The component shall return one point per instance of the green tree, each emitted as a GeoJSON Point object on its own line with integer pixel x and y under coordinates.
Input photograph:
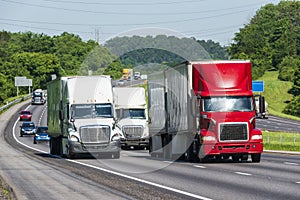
{"type": "Point", "coordinates": [272, 34]}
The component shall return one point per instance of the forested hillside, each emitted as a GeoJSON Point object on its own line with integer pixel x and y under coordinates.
{"type": "Point", "coordinates": [38, 56]}
{"type": "Point", "coordinates": [271, 41]}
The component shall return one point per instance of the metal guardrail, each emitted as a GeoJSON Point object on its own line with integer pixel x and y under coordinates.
{"type": "Point", "coordinates": [14, 102]}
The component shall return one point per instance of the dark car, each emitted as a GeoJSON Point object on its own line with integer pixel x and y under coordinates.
{"type": "Point", "coordinates": [41, 134]}
{"type": "Point", "coordinates": [27, 128]}
{"type": "Point", "coordinates": [25, 115]}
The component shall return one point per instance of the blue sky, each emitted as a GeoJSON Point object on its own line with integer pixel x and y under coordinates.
{"type": "Point", "coordinates": [217, 20]}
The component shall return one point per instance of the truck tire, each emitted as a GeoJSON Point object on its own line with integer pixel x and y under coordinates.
{"type": "Point", "coordinates": [191, 156]}
{"type": "Point", "coordinates": [256, 157]}
{"type": "Point", "coordinates": [55, 146]}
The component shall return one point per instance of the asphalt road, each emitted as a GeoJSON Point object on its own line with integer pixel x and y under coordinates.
{"type": "Point", "coordinates": [278, 124]}
{"type": "Point", "coordinates": [34, 174]}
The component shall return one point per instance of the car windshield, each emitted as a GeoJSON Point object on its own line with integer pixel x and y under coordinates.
{"type": "Point", "coordinates": [42, 130]}
{"type": "Point", "coordinates": [227, 104]}
{"type": "Point", "coordinates": [80, 111]}
{"type": "Point", "coordinates": [25, 112]}
{"type": "Point", "coordinates": [28, 125]}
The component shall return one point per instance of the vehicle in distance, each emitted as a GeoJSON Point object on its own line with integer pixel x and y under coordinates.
{"type": "Point", "coordinates": [27, 128]}
{"type": "Point", "coordinates": [120, 82]}
{"type": "Point", "coordinates": [38, 97]}
{"type": "Point", "coordinates": [25, 115]}
{"type": "Point", "coordinates": [41, 134]}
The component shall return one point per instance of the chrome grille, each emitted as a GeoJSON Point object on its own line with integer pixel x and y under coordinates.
{"type": "Point", "coordinates": [94, 134]}
{"type": "Point", "coordinates": [133, 131]}
{"type": "Point", "coordinates": [233, 132]}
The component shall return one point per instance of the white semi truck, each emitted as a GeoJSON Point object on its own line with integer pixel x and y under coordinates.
{"type": "Point", "coordinates": [81, 117]}
{"type": "Point", "coordinates": [38, 97]}
{"type": "Point", "coordinates": [131, 109]}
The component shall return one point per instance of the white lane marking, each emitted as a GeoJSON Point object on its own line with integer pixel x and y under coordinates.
{"type": "Point", "coordinates": [298, 182]}
{"type": "Point", "coordinates": [170, 162]}
{"type": "Point", "coordinates": [242, 173]}
{"type": "Point", "coordinates": [200, 166]}
{"type": "Point", "coordinates": [290, 163]}
{"type": "Point", "coordinates": [116, 173]}
{"type": "Point", "coordinates": [143, 181]}
{"type": "Point", "coordinates": [41, 117]}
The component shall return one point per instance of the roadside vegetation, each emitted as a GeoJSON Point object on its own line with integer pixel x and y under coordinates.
{"type": "Point", "coordinates": [281, 141]}
{"type": "Point", "coordinates": [276, 94]}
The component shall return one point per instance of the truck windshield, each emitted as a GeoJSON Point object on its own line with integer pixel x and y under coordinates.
{"type": "Point", "coordinates": [132, 113]}
{"type": "Point", "coordinates": [227, 104]}
{"type": "Point", "coordinates": [91, 110]}
{"type": "Point", "coordinates": [37, 94]}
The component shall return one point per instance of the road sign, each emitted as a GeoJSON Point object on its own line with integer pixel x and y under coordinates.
{"type": "Point", "coordinates": [22, 81]}
{"type": "Point", "coordinates": [257, 86]}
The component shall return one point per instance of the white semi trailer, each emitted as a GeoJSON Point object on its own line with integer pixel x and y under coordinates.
{"type": "Point", "coordinates": [81, 117]}
{"type": "Point", "coordinates": [131, 109]}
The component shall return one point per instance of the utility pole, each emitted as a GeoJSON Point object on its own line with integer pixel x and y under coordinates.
{"type": "Point", "coordinates": [97, 35]}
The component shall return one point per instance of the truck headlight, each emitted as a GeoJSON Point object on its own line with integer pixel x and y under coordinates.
{"type": "Point", "coordinates": [74, 138]}
{"type": "Point", "coordinates": [256, 137]}
{"type": "Point", "coordinates": [209, 138]}
{"type": "Point", "coordinates": [115, 137]}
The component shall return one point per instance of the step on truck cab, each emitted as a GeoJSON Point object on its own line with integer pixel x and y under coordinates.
{"type": "Point", "coordinates": [81, 117]}
{"type": "Point", "coordinates": [132, 114]}
{"type": "Point", "coordinates": [204, 109]}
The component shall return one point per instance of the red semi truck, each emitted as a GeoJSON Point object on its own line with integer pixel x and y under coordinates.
{"type": "Point", "coordinates": [204, 109]}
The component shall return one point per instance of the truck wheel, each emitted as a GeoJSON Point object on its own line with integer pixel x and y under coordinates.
{"type": "Point", "coordinates": [191, 156]}
{"type": "Point", "coordinates": [256, 157]}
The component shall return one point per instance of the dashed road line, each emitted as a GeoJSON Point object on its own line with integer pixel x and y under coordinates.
{"type": "Point", "coordinates": [290, 163]}
{"type": "Point", "coordinates": [200, 166]}
{"type": "Point", "coordinates": [243, 173]}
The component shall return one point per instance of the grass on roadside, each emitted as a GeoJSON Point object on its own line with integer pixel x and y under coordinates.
{"type": "Point", "coordinates": [276, 94]}
{"type": "Point", "coordinates": [281, 141]}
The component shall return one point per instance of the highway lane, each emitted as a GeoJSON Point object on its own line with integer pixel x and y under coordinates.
{"type": "Point", "coordinates": [33, 175]}
{"type": "Point", "coordinates": [276, 177]}
{"type": "Point", "coordinates": [274, 123]}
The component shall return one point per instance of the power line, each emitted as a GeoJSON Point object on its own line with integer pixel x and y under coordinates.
{"type": "Point", "coordinates": [125, 4]}
{"type": "Point", "coordinates": [129, 24]}
{"type": "Point", "coordinates": [126, 13]}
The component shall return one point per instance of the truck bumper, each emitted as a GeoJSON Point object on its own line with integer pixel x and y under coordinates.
{"type": "Point", "coordinates": [78, 148]}
{"type": "Point", "coordinates": [140, 142]}
{"type": "Point", "coordinates": [231, 149]}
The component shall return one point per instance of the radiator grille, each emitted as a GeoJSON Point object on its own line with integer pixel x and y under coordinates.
{"type": "Point", "coordinates": [133, 131]}
{"type": "Point", "coordinates": [94, 134]}
{"type": "Point", "coordinates": [233, 132]}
